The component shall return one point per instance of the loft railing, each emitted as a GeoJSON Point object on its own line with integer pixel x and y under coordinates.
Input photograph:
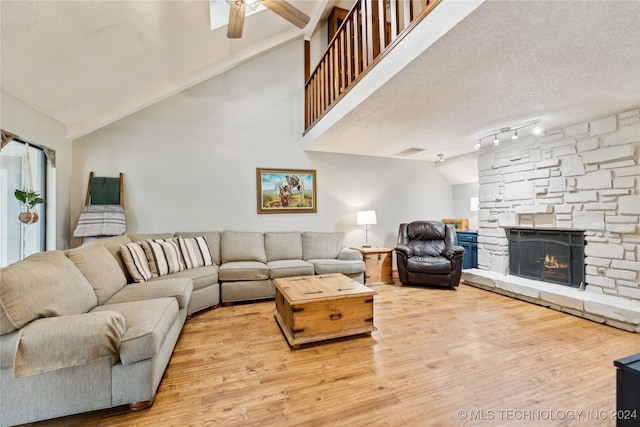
{"type": "Point", "coordinates": [371, 28]}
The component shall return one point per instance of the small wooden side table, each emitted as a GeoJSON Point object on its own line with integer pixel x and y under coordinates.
{"type": "Point", "coordinates": [377, 261]}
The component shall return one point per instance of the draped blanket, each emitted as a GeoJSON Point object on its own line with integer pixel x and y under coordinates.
{"type": "Point", "coordinates": [52, 343]}
{"type": "Point", "coordinates": [101, 220]}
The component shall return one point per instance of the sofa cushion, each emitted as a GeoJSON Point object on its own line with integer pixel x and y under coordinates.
{"type": "Point", "coordinates": [148, 323]}
{"type": "Point", "coordinates": [247, 290]}
{"type": "Point", "coordinates": [195, 251]}
{"type": "Point", "coordinates": [429, 264]}
{"type": "Point", "coordinates": [243, 270]}
{"type": "Point", "coordinates": [163, 256]}
{"type": "Point", "coordinates": [113, 246]}
{"type": "Point", "coordinates": [201, 276]}
{"type": "Point", "coordinates": [100, 268]}
{"type": "Point", "coordinates": [60, 342]}
{"type": "Point", "coordinates": [179, 288]}
{"type": "Point", "coordinates": [46, 284]}
{"type": "Point", "coordinates": [135, 258]}
{"type": "Point", "coordinates": [213, 240]}
{"type": "Point", "coordinates": [328, 266]}
{"type": "Point", "coordinates": [279, 246]}
{"type": "Point", "coordinates": [321, 245]}
{"type": "Point", "coordinates": [289, 268]}
{"type": "Point", "coordinates": [242, 246]}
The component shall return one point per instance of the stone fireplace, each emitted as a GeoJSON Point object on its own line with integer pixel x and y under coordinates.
{"type": "Point", "coordinates": [580, 179]}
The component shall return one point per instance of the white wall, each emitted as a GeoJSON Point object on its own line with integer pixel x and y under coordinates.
{"type": "Point", "coordinates": [462, 194]}
{"type": "Point", "coordinates": [190, 161]}
{"type": "Point", "coordinates": [32, 126]}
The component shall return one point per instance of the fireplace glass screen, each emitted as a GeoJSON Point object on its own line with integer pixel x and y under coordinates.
{"type": "Point", "coordinates": [550, 256]}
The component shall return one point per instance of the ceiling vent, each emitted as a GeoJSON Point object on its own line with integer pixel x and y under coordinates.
{"type": "Point", "coordinates": [410, 151]}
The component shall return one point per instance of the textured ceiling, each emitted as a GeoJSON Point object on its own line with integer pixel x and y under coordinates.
{"type": "Point", "coordinates": [506, 63]}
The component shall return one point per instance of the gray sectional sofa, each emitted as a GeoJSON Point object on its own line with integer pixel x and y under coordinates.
{"type": "Point", "coordinates": [76, 334]}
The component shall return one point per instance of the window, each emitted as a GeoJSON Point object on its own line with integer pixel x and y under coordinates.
{"type": "Point", "coordinates": [20, 240]}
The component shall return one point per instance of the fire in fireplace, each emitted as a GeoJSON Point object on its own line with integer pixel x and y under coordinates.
{"type": "Point", "coordinates": [555, 256]}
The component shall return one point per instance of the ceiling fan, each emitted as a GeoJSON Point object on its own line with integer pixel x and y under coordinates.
{"type": "Point", "coordinates": [281, 7]}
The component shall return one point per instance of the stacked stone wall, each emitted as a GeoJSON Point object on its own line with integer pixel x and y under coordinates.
{"type": "Point", "coordinates": [582, 177]}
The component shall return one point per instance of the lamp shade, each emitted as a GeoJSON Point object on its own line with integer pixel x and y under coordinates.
{"type": "Point", "coordinates": [366, 218]}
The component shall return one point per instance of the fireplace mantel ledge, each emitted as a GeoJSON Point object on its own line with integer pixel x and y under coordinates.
{"type": "Point", "coordinates": [615, 311]}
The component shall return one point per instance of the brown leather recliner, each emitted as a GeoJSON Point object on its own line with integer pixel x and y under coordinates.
{"type": "Point", "coordinates": [428, 254]}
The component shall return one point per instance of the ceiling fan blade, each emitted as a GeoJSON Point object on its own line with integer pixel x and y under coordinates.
{"type": "Point", "coordinates": [236, 22]}
{"type": "Point", "coordinates": [287, 11]}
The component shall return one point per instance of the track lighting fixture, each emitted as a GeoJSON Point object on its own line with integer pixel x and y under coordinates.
{"type": "Point", "coordinates": [496, 133]}
{"type": "Point", "coordinates": [441, 157]}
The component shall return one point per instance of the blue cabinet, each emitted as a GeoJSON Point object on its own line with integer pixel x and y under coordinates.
{"type": "Point", "coordinates": [469, 241]}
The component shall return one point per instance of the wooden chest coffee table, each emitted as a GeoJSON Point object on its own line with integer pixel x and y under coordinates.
{"type": "Point", "coordinates": [316, 308]}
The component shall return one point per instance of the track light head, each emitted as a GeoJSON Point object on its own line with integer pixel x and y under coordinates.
{"type": "Point", "coordinates": [441, 158]}
{"type": "Point", "coordinates": [537, 130]}
{"type": "Point", "coordinates": [515, 134]}
{"type": "Point", "coordinates": [496, 141]}
{"type": "Point", "coordinates": [477, 146]}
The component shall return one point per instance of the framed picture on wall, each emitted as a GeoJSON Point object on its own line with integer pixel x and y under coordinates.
{"type": "Point", "coordinates": [286, 190]}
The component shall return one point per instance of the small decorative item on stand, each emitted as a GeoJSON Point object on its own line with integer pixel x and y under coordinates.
{"type": "Point", "coordinates": [27, 196]}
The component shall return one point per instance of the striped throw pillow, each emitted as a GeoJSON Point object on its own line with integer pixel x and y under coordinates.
{"type": "Point", "coordinates": [163, 256]}
{"type": "Point", "coordinates": [195, 251]}
{"type": "Point", "coordinates": [135, 259]}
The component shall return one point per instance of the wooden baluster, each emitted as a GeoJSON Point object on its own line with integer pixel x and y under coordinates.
{"type": "Point", "coordinates": [349, 53]}
{"type": "Point", "coordinates": [382, 22]}
{"type": "Point", "coordinates": [337, 70]}
{"type": "Point", "coordinates": [318, 109]}
{"type": "Point", "coordinates": [406, 14]}
{"type": "Point", "coordinates": [393, 18]}
{"type": "Point", "coordinates": [368, 28]}
{"type": "Point", "coordinates": [357, 49]}
{"type": "Point", "coordinates": [342, 64]}
{"type": "Point", "coordinates": [321, 87]}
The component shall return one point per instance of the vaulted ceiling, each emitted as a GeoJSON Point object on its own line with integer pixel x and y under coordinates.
{"type": "Point", "coordinates": [89, 63]}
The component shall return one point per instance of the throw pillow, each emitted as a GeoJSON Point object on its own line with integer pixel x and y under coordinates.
{"type": "Point", "coordinates": [195, 251]}
{"type": "Point", "coordinates": [163, 256]}
{"type": "Point", "coordinates": [135, 259]}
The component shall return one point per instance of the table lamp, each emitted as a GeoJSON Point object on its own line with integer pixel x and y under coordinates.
{"type": "Point", "coordinates": [366, 218]}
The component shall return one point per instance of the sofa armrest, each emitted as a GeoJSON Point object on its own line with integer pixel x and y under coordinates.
{"type": "Point", "coordinates": [350, 254]}
{"type": "Point", "coordinates": [451, 252]}
{"type": "Point", "coordinates": [52, 343]}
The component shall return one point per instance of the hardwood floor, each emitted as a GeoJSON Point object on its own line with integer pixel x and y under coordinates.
{"type": "Point", "coordinates": [439, 358]}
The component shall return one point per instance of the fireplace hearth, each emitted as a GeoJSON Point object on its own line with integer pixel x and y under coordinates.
{"type": "Point", "coordinates": [555, 256]}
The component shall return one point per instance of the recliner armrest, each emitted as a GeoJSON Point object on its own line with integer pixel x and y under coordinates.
{"type": "Point", "coordinates": [452, 251]}
{"type": "Point", "coordinates": [404, 250]}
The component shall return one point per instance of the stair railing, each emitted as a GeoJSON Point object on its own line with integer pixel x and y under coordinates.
{"type": "Point", "coordinates": [369, 31]}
